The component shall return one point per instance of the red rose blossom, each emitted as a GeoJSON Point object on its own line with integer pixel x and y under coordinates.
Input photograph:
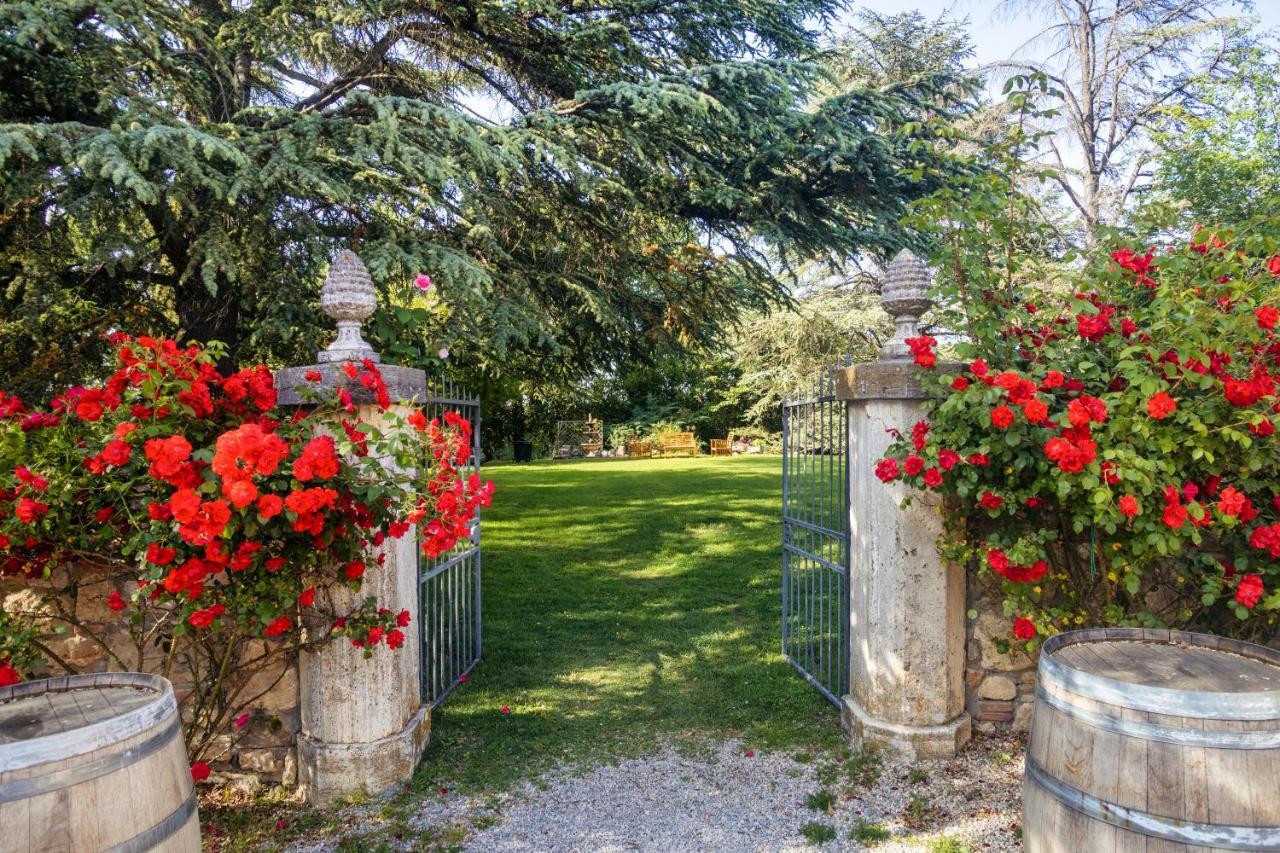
{"type": "Point", "coordinates": [1249, 591]}
{"type": "Point", "coordinates": [1023, 629]}
{"type": "Point", "coordinates": [1161, 405]}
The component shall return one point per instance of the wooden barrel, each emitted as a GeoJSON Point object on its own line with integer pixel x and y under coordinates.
{"type": "Point", "coordinates": [95, 762]}
{"type": "Point", "coordinates": [1153, 741]}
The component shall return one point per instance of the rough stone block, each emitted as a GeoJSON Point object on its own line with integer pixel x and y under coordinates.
{"type": "Point", "coordinates": [999, 687]}
{"type": "Point", "coordinates": [972, 678]}
{"type": "Point", "coordinates": [990, 627]}
{"type": "Point", "coordinates": [1022, 717]}
{"type": "Point", "coordinates": [264, 760]}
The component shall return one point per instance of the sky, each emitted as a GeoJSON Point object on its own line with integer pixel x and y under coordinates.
{"type": "Point", "coordinates": [999, 35]}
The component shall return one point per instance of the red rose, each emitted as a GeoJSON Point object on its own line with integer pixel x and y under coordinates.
{"type": "Point", "coordinates": [978, 367]}
{"type": "Point", "coordinates": [990, 500]}
{"type": "Point", "coordinates": [1035, 410]}
{"type": "Point", "coordinates": [1232, 501]}
{"type": "Point", "coordinates": [1273, 265]}
{"type": "Point", "coordinates": [1249, 591]}
{"type": "Point", "coordinates": [1023, 629]}
{"type": "Point", "coordinates": [998, 561]}
{"type": "Point", "coordinates": [1175, 515]}
{"type": "Point", "coordinates": [115, 602]}
{"type": "Point", "coordinates": [979, 459]}
{"type": "Point", "coordinates": [403, 618]}
{"type": "Point", "coordinates": [1267, 316]}
{"type": "Point", "coordinates": [887, 470]}
{"type": "Point", "coordinates": [277, 627]}
{"type": "Point", "coordinates": [1161, 405]}
{"type": "Point", "coordinates": [29, 510]}
{"type": "Point", "coordinates": [269, 506]}
{"type": "Point", "coordinates": [959, 383]}
{"type": "Point", "coordinates": [919, 434]}
{"type": "Point", "coordinates": [933, 478]}
{"type": "Point", "coordinates": [913, 465]}
{"type": "Point", "coordinates": [1129, 506]}
{"type": "Point", "coordinates": [1053, 379]}
{"type": "Point", "coordinates": [417, 420]}
{"type": "Point", "coordinates": [8, 675]}
{"type": "Point", "coordinates": [199, 771]}
{"type": "Point", "coordinates": [1002, 417]}
{"type": "Point", "coordinates": [395, 638]}
{"type": "Point", "coordinates": [353, 570]}
{"type": "Point", "coordinates": [948, 459]}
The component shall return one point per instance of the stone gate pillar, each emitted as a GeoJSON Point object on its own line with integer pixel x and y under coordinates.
{"type": "Point", "coordinates": [906, 608]}
{"type": "Point", "coordinates": [364, 724]}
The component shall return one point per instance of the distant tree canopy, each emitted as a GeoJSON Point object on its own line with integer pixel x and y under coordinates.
{"type": "Point", "coordinates": [1221, 159]}
{"type": "Point", "coordinates": [587, 182]}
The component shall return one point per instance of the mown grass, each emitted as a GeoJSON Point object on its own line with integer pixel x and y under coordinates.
{"type": "Point", "coordinates": [627, 605]}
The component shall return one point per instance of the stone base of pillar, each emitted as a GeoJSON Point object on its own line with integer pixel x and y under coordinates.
{"type": "Point", "coordinates": [910, 742]}
{"type": "Point", "coordinates": [329, 771]}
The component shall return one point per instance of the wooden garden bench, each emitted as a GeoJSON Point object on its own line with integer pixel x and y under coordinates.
{"type": "Point", "coordinates": [677, 442]}
{"type": "Point", "coordinates": [722, 446]}
{"type": "Point", "coordinates": [639, 449]}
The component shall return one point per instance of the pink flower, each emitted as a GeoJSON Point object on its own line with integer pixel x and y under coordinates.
{"type": "Point", "coordinates": [422, 282]}
{"type": "Point", "coordinates": [242, 720]}
{"type": "Point", "coordinates": [750, 753]}
{"type": "Point", "coordinates": [506, 709]}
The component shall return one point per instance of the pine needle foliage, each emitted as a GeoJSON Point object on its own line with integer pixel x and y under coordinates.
{"type": "Point", "coordinates": [586, 180]}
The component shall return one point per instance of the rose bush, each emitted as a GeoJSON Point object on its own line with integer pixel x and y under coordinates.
{"type": "Point", "coordinates": [224, 532]}
{"type": "Point", "coordinates": [1109, 456]}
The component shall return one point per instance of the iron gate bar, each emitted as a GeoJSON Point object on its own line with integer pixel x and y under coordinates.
{"type": "Point", "coordinates": [815, 535]}
{"type": "Point", "coordinates": [450, 612]}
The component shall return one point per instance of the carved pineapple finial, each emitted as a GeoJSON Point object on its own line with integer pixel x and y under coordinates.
{"type": "Point", "coordinates": [905, 295]}
{"type": "Point", "coordinates": [349, 297]}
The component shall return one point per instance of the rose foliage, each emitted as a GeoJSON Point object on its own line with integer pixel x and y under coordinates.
{"type": "Point", "coordinates": [222, 532]}
{"type": "Point", "coordinates": [1109, 455]}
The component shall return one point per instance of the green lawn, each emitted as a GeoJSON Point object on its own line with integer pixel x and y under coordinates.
{"type": "Point", "coordinates": [625, 603]}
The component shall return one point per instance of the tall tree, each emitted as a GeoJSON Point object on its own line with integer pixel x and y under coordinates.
{"type": "Point", "coordinates": [1222, 161]}
{"type": "Point", "coordinates": [583, 179]}
{"type": "Point", "coordinates": [882, 49]}
{"type": "Point", "coordinates": [1117, 65]}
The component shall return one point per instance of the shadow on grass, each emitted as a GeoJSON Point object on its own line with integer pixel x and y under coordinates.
{"type": "Point", "coordinates": [625, 604]}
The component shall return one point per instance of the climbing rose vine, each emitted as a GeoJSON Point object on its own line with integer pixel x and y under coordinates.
{"type": "Point", "coordinates": [221, 530]}
{"type": "Point", "coordinates": [1109, 457]}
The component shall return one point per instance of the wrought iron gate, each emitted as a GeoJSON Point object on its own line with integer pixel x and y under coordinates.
{"type": "Point", "coordinates": [449, 585]}
{"type": "Point", "coordinates": [815, 535]}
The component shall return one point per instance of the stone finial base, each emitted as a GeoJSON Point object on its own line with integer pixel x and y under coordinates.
{"type": "Point", "coordinates": [403, 383]}
{"type": "Point", "coordinates": [910, 742]}
{"type": "Point", "coordinates": [327, 772]}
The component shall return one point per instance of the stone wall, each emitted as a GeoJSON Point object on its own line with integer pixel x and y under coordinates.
{"type": "Point", "coordinates": [261, 751]}
{"type": "Point", "coordinates": [999, 686]}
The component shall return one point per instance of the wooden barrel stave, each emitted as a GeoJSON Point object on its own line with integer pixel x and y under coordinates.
{"type": "Point", "coordinates": [126, 793]}
{"type": "Point", "coordinates": [1150, 772]}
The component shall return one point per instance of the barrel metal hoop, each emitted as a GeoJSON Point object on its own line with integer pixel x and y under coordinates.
{"type": "Point", "coordinates": [1164, 734]}
{"type": "Point", "coordinates": [151, 838]}
{"type": "Point", "coordinates": [21, 789]}
{"type": "Point", "coordinates": [1262, 705]}
{"type": "Point", "coordinates": [79, 741]}
{"type": "Point", "coordinates": [1169, 829]}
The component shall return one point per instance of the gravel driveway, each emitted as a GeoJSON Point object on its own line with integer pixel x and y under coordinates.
{"type": "Point", "coordinates": [730, 798]}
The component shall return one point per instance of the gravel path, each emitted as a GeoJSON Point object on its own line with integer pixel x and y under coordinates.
{"type": "Point", "coordinates": [732, 799]}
